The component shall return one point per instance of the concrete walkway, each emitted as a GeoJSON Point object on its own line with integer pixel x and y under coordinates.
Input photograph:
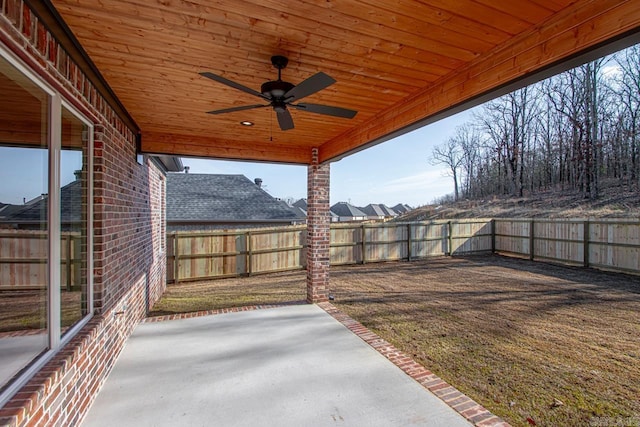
{"type": "Point", "coordinates": [288, 366]}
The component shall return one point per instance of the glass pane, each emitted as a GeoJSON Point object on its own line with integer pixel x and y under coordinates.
{"type": "Point", "coordinates": [73, 220]}
{"type": "Point", "coordinates": [24, 247]}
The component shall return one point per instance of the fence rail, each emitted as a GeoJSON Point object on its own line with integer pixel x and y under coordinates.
{"type": "Point", "coordinates": [217, 254]}
{"type": "Point", "coordinates": [605, 244]}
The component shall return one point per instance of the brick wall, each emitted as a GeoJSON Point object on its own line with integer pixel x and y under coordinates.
{"type": "Point", "coordinates": [129, 258]}
{"type": "Point", "coordinates": [318, 232]}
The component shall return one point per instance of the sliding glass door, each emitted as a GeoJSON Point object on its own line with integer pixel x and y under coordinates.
{"type": "Point", "coordinates": [45, 222]}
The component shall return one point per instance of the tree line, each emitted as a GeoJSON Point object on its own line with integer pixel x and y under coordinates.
{"type": "Point", "coordinates": [569, 131]}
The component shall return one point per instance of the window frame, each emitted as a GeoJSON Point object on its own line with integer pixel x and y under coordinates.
{"type": "Point", "coordinates": [56, 341]}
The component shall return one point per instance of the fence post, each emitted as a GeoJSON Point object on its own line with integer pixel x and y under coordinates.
{"type": "Point", "coordinates": [249, 254]}
{"type": "Point", "coordinates": [176, 260]}
{"type": "Point", "coordinates": [409, 242]}
{"type": "Point", "coordinates": [493, 236]}
{"type": "Point", "coordinates": [364, 244]}
{"type": "Point", "coordinates": [585, 246]}
{"type": "Point", "coordinates": [449, 238]}
{"type": "Point", "coordinates": [531, 241]}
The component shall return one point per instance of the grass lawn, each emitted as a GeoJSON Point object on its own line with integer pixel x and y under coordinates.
{"type": "Point", "coordinates": [556, 345]}
{"type": "Point", "coordinates": [26, 310]}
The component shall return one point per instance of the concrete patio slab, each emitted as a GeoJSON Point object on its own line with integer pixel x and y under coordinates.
{"type": "Point", "coordinates": [287, 366]}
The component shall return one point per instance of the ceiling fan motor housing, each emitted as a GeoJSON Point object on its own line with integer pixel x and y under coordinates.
{"type": "Point", "coordinates": [276, 89]}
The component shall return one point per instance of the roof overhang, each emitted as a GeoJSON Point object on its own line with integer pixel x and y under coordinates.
{"type": "Point", "coordinates": [170, 163]}
{"type": "Point", "coordinates": [400, 64]}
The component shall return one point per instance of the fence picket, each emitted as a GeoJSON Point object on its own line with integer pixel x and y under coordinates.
{"type": "Point", "coordinates": [605, 244]}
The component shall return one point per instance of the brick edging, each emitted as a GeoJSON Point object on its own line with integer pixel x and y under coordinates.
{"type": "Point", "coordinates": [464, 405]}
{"type": "Point", "coordinates": [178, 316]}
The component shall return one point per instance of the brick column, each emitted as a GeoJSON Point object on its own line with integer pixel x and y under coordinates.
{"type": "Point", "coordinates": [318, 221]}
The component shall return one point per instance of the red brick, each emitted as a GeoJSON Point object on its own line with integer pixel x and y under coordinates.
{"type": "Point", "coordinates": [481, 417]}
{"type": "Point", "coordinates": [318, 221]}
{"type": "Point", "coordinates": [473, 411]}
{"type": "Point", "coordinates": [493, 421]}
{"type": "Point", "coordinates": [464, 405]}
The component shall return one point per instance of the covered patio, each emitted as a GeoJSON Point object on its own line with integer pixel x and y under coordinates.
{"type": "Point", "coordinates": [376, 70]}
{"type": "Point", "coordinates": [129, 83]}
{"type": "Point", "coordinates": [256, 367]}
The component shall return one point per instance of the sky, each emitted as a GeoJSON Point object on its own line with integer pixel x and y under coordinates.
{"type": "Point", "coordinates": [396, 171]}
{"type": "Point", "coordinates": [23, 172]}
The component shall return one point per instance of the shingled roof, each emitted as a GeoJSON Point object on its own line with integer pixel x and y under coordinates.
{"type": "Point", "coordinates": [401, 208]}
{"type": "Point", "coordinates": [301, 203]}
{"type": "Point", "coordinates": [7, 210]}
{"type": "Point", "coordinates": [345, 209]}
{"type": "Point", "coordinates": [230, 198]}
{"type": "Point", "coordinates": [34, 212]}
{"type": "Point", "coordinates": [378, 210]}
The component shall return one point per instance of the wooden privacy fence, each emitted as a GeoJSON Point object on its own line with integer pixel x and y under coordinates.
{"type": "Point", "coordinates": [604, 244]}
{"type": "Point", "coordinates": [23, 259]}
{"type": "Point", "coordinates": [205, 255]}
{"type": "Point", "coordinates": [200, 255]}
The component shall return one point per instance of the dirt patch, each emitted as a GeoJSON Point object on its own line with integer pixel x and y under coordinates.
{"type": "Point", "coordinates": [556, 345]}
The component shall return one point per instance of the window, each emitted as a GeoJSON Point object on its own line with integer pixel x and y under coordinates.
{"type": "Point", "coordinates": [74, 203]}
{"type": "Point", "coordinates": [45, 227]}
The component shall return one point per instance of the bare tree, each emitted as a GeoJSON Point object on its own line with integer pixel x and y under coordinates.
{"type": "Point", "coordinates": [508, 122]}
{"type": "Point", "coordinates": [468, 140]}
{"type": "Point", "coordinates": [570, 131]}
{"type": "Point", "coordinates": [450, 155]}
{"type": "Point", "coordinates": [629, 90]}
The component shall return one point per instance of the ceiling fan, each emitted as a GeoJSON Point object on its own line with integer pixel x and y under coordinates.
{"type": "Point", "coordinates": [281, 95]}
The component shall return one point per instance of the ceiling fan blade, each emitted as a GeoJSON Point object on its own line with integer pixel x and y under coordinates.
{"type": "Point", "coordinates": [241, 108]}
{"type": "Point", "coordinates": [232, 84]}
{"type": "Point", "coordinates": [313, 84]}
{"type": "Point", "coordinates": [326, 110]}
{"type": "Point", "coordinates": [284, 119]}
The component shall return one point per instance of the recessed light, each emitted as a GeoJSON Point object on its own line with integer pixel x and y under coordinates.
{"type": "Point", "coordinates": [246, 123]}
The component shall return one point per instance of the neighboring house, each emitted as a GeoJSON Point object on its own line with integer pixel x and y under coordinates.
{"type": "Point", "coordinates": [347, 212]}
{"type": "Point", "coordinates": [401, 208]}
{"type": "Point", "coordinates": [7, 210]}
{"type": "Point", "coordinates": [378, 211]}
{"type": "Point", "coordinates": [301, 204]}
{"type": "Point", "coordinates": [389, 212]}
{"type": "Point", "coordinates": [301, 212]}
{"type": "Point", "coordinates": [207, 202]}
{"type": "Point", "coordinates": [33, 214]}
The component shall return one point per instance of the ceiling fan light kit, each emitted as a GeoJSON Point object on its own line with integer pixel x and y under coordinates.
{"type": "Point", "coordinates": [281, 95]}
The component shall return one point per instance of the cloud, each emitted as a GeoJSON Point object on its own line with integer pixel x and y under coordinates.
{"type": "Point", "coordinates": [430, 180]}
{"type": "Point", "coordinates": [415, 189]}
{"type": "Point", "coordinates": [611, 70]}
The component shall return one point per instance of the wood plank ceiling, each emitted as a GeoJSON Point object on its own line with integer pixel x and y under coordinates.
{"type": "Point", "coordinates": [396, 62]}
